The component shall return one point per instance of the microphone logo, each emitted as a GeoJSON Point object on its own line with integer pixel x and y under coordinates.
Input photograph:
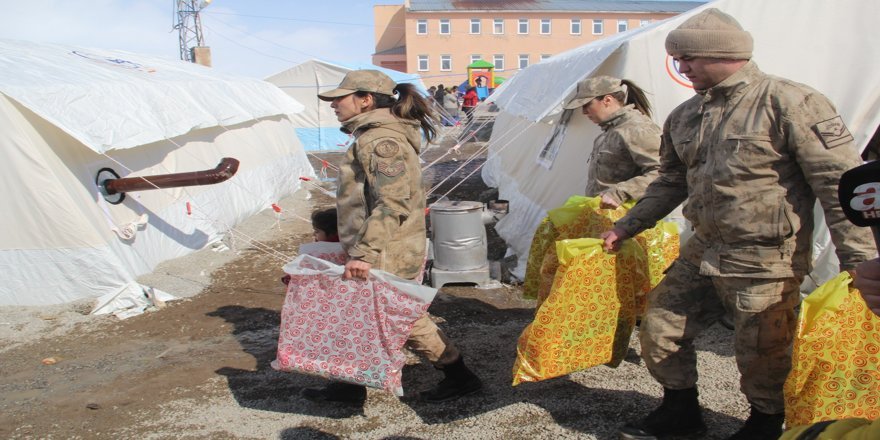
{"type": "Point", "coordinates": [866, 199]}
{"type": "Point", "coordinates": [859, 193]}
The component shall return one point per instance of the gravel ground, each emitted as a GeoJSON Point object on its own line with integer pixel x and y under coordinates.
{"type": "Point", "coordinates": [199, 368]}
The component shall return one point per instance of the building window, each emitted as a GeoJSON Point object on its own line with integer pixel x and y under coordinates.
{"type": "Point", "coordinates": [522, 27]}
{"type": "Point", "coordinates": [444, 26]}
{"type": "Point", "coordinates": [445, 63]}
{"type": "Point", "coordinates": [498, 26]}
{"type": "Point", "coordinates": [423, 63]}
{"type": "Point", "coordinates": [475, 58]}
{"type": "Point", "coordinates": [475, 25]}
{"type": "Point", "coordinates": [498, 61]}
{"type": "Point", "coordinates": [598, 26]}
{"type": "Point", "coordinates": [545, 26]}
{"type": "Point", "coordinates": [622, 26]}
{"type": "Point", "coordinates": [644, 22]}
{"type": "Point", "coordinates": [544, 56]}
{"type": "Point", "coordinates": [575, 26]}
{"type": "Point", "coordinates": [422, 27]}
{"type": "Point", "coordinates": [523, 61]}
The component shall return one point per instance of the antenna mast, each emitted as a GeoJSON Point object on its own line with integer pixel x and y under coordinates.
{"type": "Point", "coordinates": [189, 27]}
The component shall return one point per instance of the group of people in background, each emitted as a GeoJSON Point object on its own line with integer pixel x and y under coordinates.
{"type": "Point", "coordinates": [453, 105]}
{"type": "Point", "coordinates": [748, 154]}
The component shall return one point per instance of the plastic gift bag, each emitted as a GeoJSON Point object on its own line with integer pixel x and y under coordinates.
{"type": "Point", "coordinates": [578, 217]}
{"type": "Point", "coordinates": [588, 317]}
{"type": "Point", "coordinates": [581, 217]}
{"type": "Point", "coordinates": [347, 330]}
{"type": "Point", "coordinates": [835, 359]}
{"type": "Point", "coordinates": [331, 251]}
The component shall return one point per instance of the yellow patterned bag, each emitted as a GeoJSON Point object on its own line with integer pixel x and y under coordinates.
{"type": "Point", "coordinates": [578, 217]}
{"type": "Point", "coordinates": [588, 317]}
{"type": "Point", "coordinates": [835, 359]}
{"type": "Point", "coordinates": [581, 217]}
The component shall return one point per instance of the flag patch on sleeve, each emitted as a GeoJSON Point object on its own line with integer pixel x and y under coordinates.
{"type": "Point", "coordinates": [833, 132]}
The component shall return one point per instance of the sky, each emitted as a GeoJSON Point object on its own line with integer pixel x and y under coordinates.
{"type": "Point", "coordinates": [254, 38]}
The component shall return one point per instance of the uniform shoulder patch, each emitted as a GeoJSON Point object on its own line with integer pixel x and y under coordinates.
{"type": "Point", "coordinates": [833, 132]}
{"type": "Point", "coordinates": [387, 148]}
{"type": "Point", "coordinates": [390, 169]}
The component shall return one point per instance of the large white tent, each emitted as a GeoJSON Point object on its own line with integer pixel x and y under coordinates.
{"type": "Point", "coordinates": [67, 112]}
{"type": "Point", "coordinates": [827, 45]}
{"type": "Point", "coordinates": [316, 125]}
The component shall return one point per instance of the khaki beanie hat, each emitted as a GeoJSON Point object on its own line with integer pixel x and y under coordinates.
{"type": "Point", "coordinates": [710, 34]}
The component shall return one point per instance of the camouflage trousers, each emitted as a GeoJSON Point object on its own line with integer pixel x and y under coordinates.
{"type": "Point", "coordinates": [427, 340]}
{"type": "Point", "coordinates": [685, 303]}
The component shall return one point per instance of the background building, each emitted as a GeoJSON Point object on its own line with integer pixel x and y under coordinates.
{"type": "Point", "coordinates": [439, 38]}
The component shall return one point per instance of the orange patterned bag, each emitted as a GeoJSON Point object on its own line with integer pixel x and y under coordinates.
{"type": "Point", "coordinates": [588, 317]}
{"type": "Point", "coordinates": [835, 359]}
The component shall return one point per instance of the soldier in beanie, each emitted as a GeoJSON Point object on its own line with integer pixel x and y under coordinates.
{"type": "Point", "coordinates": [380, 206]}
{"type": "Point", "coordinates": [751, 153]}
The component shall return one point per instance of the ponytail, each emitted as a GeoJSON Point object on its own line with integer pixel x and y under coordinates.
{"type": "Point", "coordinates": [635, 96]}
{"type": "Point", "coordinates": [410, 104]}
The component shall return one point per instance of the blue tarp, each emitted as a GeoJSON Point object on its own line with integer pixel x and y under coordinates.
{"type": "Point", "coordinates": [322, 138]}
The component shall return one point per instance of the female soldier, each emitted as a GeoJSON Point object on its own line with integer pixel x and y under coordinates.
{"type": "Point", "coordinates": [381, 211]}
{"type": "Point", "coordinates": [626, 156]}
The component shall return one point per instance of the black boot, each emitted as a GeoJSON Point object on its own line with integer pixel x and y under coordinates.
{"type": "Point", "coordinates": [678, 415]}
{"type": "Point", "coordinates": [760, 426]}
{"type": "Point", "coordinates": [458, 381]}
{"type": "Point", "coordinates": [340, 392]}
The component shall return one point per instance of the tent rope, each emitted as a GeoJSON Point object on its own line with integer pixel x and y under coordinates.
{"type": "Point", "coordinates": [480, 151]}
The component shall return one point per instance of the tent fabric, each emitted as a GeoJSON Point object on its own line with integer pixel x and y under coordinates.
{"type": "Point", "coordinates": [60, 245]}
{"type": "Point", "coordinates": [795, 39]}
{"type": "Point", "coordinates": [316, 126]}
{"type": "Point", "coordinates": [91, 98]}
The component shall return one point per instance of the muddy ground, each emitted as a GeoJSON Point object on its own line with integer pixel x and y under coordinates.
{"type": "Point", "coordinates": [199, 367]}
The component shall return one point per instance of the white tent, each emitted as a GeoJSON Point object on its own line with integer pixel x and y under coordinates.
{"type": "Point", "coordinates": [824, 44]}
{"type": "Point", "coordinates": [317, 126]}
{"type": "Point", "coordinates": [66, 113]}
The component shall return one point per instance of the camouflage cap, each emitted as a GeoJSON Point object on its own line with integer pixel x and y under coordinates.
{"type": "Point", "coordinates": [591, 88]}
{"type": "Point", "coordinates": [361, 81]}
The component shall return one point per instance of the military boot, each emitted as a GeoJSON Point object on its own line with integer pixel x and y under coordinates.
{"type": "Point", "coordinates": [458, 381]}
{"type": "Point", "coordinates": [678, 415]}
{"type": "Point", "coordinates": [760, 426]}
{"type": "Point", "coordinates": [339, 392]}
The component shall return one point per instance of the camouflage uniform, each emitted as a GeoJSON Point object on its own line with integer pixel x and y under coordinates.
{"type": "Point", "coordinates": [381, 210]}
{"type": "Point", "coordinates": [751, 155]}
{"type": "Point", "coordinates": [625, 157]}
